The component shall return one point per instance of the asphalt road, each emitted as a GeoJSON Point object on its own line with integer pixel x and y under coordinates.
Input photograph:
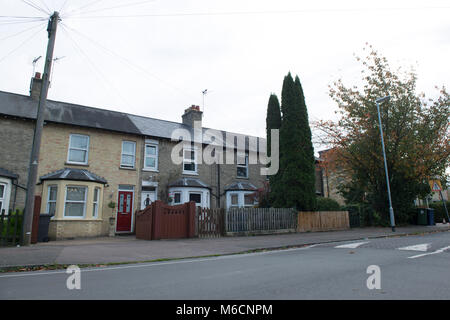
{"type": "Point", "coordinates": [415, 267]}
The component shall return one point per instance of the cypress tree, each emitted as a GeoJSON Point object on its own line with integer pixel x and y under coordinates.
{"type": "Point", "coordinates": [273, 121]}
{"type": "Point", "coordinates": [307, 171]}
{"type": "Point", "coordinates": [295, 184]}
{"type": "Point", "coordinates": [273, 118]}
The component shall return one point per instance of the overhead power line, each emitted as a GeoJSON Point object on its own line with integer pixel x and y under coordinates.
{"type": "Point", "coordinates": [129, 63]}
{"type": "Point", "coordinates": [22, 31]}
{"type": "Point", "coordinates": [186, 14]}
{"type": "Point", "coordinates": [21, 45]}
{"type": "Point", "coordinates": [118, 6]}
{"type": "Point", "coordinates": [33, 5]}
{"type": "Point", "coordinates": [82, 7]}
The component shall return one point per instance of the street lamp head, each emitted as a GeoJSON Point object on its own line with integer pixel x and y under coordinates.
{"type": "Point", "coordinates": [379, 100]}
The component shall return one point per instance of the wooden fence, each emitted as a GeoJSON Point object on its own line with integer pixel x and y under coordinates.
{"type": "Point", "coordinates": [322, 221]}
{"type": "Point", "coordinates": [10, 227]}
{"type": "Point", "coordinates": [260, 220]}
{"type": "Point", "coordinates": [210, 222]}
{"type": "Point", "coordinates": [161, 221]}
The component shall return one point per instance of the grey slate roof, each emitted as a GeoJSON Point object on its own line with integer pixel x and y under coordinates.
{"type": "Point", "coordinates": [8, 174]}
{"type": "Point", "coordinates": [189, 182]}
{"type": "Point", "coordinates": [73, 174]}
{"type": "Point", "coordinates": [23, 106]}
{"type": "Point", "coordinates": [242, 186]}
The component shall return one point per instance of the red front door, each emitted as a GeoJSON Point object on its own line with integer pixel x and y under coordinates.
{"type": "Point", "coordinates": [124, 211]}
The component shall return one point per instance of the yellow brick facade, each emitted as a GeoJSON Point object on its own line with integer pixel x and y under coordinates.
{"type": "Point", "coordinates": [105, 148]}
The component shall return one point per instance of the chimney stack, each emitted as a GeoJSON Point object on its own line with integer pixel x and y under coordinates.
{"type": "Point", "coordinates": [192, 114]}
{"type": "Point", "coordinates": [35, 86]}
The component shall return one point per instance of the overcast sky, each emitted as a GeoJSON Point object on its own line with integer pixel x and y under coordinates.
{"type": "Point", "coordinates": [154, 58]}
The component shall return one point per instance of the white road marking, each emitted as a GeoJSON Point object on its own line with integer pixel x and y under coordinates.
{"type": "Point", "coordinates": [418, 247]}
{"type": "Point", "coordinates": [155, 264]}
{"type": "Point", "coordinates": [430, 253]}
{"type": "Point", "coordinates": [353, 245]}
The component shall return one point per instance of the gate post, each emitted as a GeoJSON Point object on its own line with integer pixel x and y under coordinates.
{"type": "Point", "coordinates": [156, 225]}
{"type": "Point", "coordinates": [190, 208]}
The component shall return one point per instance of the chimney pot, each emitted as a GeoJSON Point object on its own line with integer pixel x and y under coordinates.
{"type": "Point", "coordinates": [192, 114]}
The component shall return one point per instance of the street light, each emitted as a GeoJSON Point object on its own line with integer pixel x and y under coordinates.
{"type": "Point", "coordinates": [391, 210]}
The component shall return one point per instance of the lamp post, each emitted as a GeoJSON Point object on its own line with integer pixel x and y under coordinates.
{"type": "Point", "coordinates": [391, 210]}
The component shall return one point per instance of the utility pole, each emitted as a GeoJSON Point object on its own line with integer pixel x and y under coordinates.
{"type": "Point", "coordinates": [34, 159]}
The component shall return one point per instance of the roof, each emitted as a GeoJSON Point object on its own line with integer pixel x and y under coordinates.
{"type": "Point", "coordinates": [189, 182]}
{"type": "Point", "coordinates": [23, 106]}
{"type": "Point", "coordinates": [242, 186]}
{"type": "Point", "coordinates": [8, 174]}
{"type": "Point", "coordinates": [75, 175]}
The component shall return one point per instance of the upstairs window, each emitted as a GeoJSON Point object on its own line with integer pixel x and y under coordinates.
{"type": "Point", "coordinates": [242, 166]}
{"type": "Point", "coordinates": [128, 154]}
{"type": "Point", "coordinates": [151, 156]}
{"type": "Point", "coordinates": [78, 149]}
{"type": "Point", "coordinates": [189, 161]}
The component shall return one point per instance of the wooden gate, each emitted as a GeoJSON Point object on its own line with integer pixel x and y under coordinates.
{"type": "Point", "coordinates": [161, 221]}
{"type": "Point", "coordinates": [210, 222]}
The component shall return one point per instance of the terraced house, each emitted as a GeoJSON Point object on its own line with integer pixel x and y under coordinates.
{"type": "Point", "coordinates": [98, 167]}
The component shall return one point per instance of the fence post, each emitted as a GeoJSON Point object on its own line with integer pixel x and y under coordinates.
{"type": "Point", "coordinates": [190, 207]}
{"type": "Point", "coordinates": [156, 223]}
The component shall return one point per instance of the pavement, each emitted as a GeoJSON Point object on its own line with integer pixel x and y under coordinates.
{"type": "Point", "coordinates": [126, 249]}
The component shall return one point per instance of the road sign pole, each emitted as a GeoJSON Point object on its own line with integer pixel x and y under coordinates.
{"type": "Point", "coordinates": [445, 206]}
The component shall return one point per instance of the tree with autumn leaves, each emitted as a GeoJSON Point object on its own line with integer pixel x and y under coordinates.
{"type": "Point", "coordinates": [416, 135]}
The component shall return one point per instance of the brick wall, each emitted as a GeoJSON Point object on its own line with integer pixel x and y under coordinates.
{"type": "Point", "coordinates": [105, 149]}
{"type": "Point", "coordinates": [16, 137]}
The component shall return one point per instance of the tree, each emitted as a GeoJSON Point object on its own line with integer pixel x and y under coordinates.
{"type": "Point", "coordinates": [273, 121]}
{"type": "Point", "coordinates": [273, 118]}
{"type": "Point", "coordinates": [295, 182]}
{"type": "Point", "coordinates": [416, 132]}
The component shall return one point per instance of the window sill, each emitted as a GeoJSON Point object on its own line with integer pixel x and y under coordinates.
{"type": "Point", "coordinates": [77, 164]}
{"type": "Point", "coordinates": [150, 170]}
{"type": "Point", "coordinates": [190, 173]}
{"type": "Point", "coordinates": [127, 168]}
{"type": "Point", "coordinates": [245, 178]}
{"type": "Point", "coordinates": [77, 219]}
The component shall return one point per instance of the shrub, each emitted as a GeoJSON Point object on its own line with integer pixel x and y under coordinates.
{"type": "Point", "coordinates": [11, 221]}
{"type": "Point", "coordinates": [327, 204]}
{"type": "Point", "coordinates": [439, 211]}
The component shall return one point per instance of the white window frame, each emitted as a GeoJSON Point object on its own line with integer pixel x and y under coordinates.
{"type": "Point", "coordinates": [187, 161]}
{"type": "Point", "coordinates": [72, 201]}
{"type": "Point", "coordinates": [95, 203]}
{"type": "Point", "coordinates": [201, 197]}
{"type": "Point", "coordinates": [48, 197]}
{"type": "Point", "coordinates": [231, 201]}
{"type": "Point", "coordinates": [181, 197]}
{"type": "Point", "coordinates": [128, 154]}
{"type": "Point", "coordinates": [242, 166]}
{"type": "Point", "coordinates": [155, 156]}
{"type": "Point", "coordinates": [87, 148]}
{"type": "Point", "coordinates": [241, 199]}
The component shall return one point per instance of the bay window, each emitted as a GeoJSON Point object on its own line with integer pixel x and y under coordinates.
{"type": "Point", "coordinates": [75, 202]}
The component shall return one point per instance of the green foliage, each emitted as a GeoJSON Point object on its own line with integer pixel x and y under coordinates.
{"type": "Point", "coordinates": [11, 220]}
{"type": "Point", "coordinates": [327, 204]}
{"type": "Point", "coordinates": [415, 132]}
{"type": "Point", "coordinates": [273, 118]}
{"type": "Point", "coordinates": [294, 185]}
{"type": "Point", "coordinates": [439, 211]}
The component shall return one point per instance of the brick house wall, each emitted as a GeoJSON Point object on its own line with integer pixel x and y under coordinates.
{"type": "Point", "coordinates": [16, 137]}
{"type": "Point", "coordinates": [104, 158]}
